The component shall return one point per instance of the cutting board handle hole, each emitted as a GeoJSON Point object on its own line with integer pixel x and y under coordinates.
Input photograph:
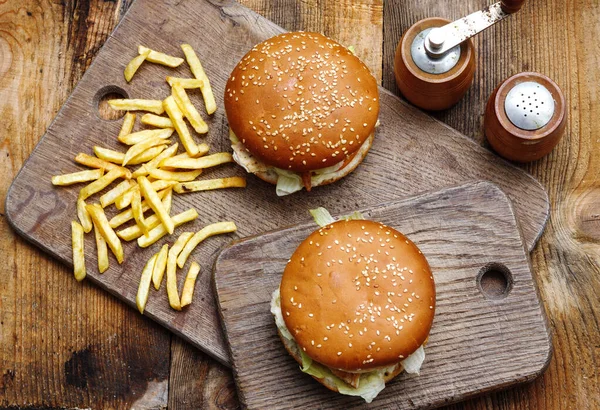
{"type": "Point", "coordinates": [100, 102]}
{"type": "Point", "coordinates": [495, 281]}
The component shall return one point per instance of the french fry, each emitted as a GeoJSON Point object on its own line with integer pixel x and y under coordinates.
{"type": "Point", "coordinates": [188, 109]}
{"type": "Point", "coordinates": [154, 106]}
{"type": "Point", "coordinates": [140, 147]}
{"type": "Point", "coordinates": [157, 185]}
{"type": "Point", "coordinates": [106, 231]}
{"type": "Point", "coordinates": [134, 64]}
{"type": "Point", "coordinates": [77, 177]}
{"type": "Point", "coordinates": [172, 292]}
{"type": "Point", "coordinates": [138, 214]}
{"type": "Point", "coordinates": [142, 294]}
{"type": "Point", "coordinates": [168, 199]}
{"type": "Point", "coordinates": [111, 196]}
{"type": "Point", "coordinates": [161, 184]}
{"type": "Point", "coordinates": [176, 117]}
{"type": "Point", "coordinates": [160, 58]}
{"type": "Point", "coordinates": [84, 216]}
{"type": "Point", "coordinates": [203, 149]}
{"type": "Point", "coordinates": [109, 155]}
{"type": "Point", "coordinates": [124, 200]}
{"type": "Point", "coordinates": [147, 155]}
{"type": "Point", "coordinates": [137, 137]}
{"type": "Point", "coordinates": [153, 163]}
{"type": "Point", "coordinates": [102, 249]}
{"type": "Point", "coordinates": [101, 183]}
{"type": "Point", "coordinates": [155, 203]}
{"type": "Point", "coordinates": [160, 266]}
{"type": "Point", "coordinates": [209, 184]}
{"type": "Point", "coordinates": [157, 121]}
{"type": "Point", "coordinates": [198, 71]}
{"type": "Point", "coordinates": [175, 176]}
{"type": "Point", "coordinates": [127, 215]}
{"type": "Point", "coordinates": [128, 123]}
{"type": "Point", "coordinates": [158, 232]}
{"type": "Point", "coordinates": [134, 231]}
{"type": "Point", "coordinates": [188, 286]}
{"type": "Point", "coordinates": [93, 162]}
{"type": "Point", "coordinates": [198, 163]}
{"type": "Point", "coordinates": [206, 232]}
{"type": "Point", "coordinates": [185, 82]}
{"type": "Point", "coordinates": [118, 157]}
{"type": "Point", "coordinates": [78, 253]}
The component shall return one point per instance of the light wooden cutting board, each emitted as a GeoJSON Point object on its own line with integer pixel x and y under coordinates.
{"type": "Point", "coordinates": [412, 153]}
{"type": "Point", "coordinates": [483, 337]}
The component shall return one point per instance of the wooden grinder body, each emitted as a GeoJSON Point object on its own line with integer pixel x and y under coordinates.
{"type": "Point", "coordinates": [514, 143]}
{"type": "Point", "coordinates": [432, 91]}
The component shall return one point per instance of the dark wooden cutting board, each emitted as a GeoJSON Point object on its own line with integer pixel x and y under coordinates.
{"type": "Point", "coordinates": [482, 338]}
{"type": "Point", "coordinates": [412, 153]}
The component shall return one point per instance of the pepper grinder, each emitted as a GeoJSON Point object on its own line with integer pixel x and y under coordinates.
{"type": "Point", "coordinates": [435, 59]}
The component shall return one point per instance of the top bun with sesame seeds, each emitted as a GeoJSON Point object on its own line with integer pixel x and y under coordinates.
{"type": "Point", "coordinates": [357, 296]}
{"type": "Point", "coordinates": [301, 102]}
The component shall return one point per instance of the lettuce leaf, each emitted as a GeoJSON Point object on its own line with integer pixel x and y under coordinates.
{"type": "Point", "coordinates": [412, 364]}
{"type": "Point", "coordinates": [322, 216]}
{"type": "Point", "coordinates": [353, 216]}
{"type": "Point", "coordinates": [287, 182]}
{"type": "Point", "coordinates": [276, 312]}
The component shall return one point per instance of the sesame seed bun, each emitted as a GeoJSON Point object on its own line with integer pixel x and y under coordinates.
{"type": "Point", "coordinates": [301, 102]}
{"type": "Point", "coordinates": [358, 295]}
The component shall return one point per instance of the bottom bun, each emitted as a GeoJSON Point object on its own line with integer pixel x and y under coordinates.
{"type": "Point", "coordinates": [326, 381]}
{"type": "Point", "coordinates": [350, 165]}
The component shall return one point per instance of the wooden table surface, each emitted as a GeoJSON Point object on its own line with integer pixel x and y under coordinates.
{"type": "Point", "coordinates": [65, 344]}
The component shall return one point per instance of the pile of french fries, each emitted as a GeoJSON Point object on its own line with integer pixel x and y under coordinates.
{"type": "Point", "coordinates": [149, 188]}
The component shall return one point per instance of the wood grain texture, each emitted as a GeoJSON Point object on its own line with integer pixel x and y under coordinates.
{"type": "Point", "coordinates": [461, 231]}
{"type": "Point", "coordinates": [62, 344]}
{"type": "Point", "coordinates": [197, 382]}
{"type": "Point", "coordinates": [547, 37]}
{"type": "Point", "coordinates": [424, 154]}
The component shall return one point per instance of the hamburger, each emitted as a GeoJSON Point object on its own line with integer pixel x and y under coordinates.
{"type": "Point", "coordinates": [355, 306]}
{"type": "Point", "coordinates": [302, 111]}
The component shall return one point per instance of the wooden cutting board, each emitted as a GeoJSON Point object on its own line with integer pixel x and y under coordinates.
{"type": "Point", "coordinates": [412, 153]}
{"type": "Point", "coordinates": [483, 337]}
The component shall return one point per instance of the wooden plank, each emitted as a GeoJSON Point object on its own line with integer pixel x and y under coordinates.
{"type": "Point", "coordinates": [62, 344]}
{"type": "Point", "coordinates": [547, 37]}
{"type": "Point", "coordinates": [423, 153]}
{"type": "Point", "coordinates": [477, 343]}
{"type": "Point", "coordinates": [197, 382]}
